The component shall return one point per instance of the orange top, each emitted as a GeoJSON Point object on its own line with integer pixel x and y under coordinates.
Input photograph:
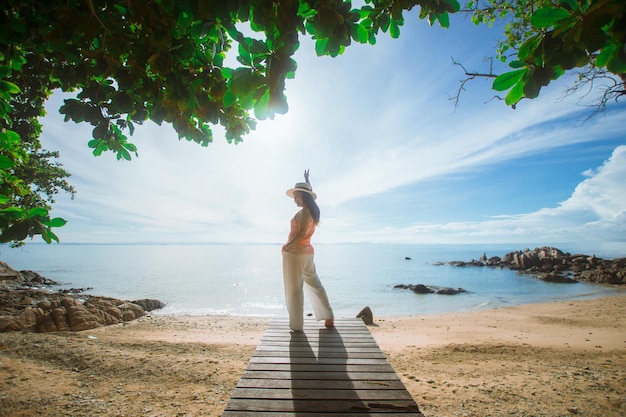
{"type": "Point", "coordinates": [303, 247]}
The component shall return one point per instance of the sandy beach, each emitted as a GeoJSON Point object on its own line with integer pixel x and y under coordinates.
{"type": "Point", "coordinates": [553, 359]}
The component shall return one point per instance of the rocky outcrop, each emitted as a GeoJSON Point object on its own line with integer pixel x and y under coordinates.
{"type": "Point", "coordinates": [553, 265]}
{"type": "Point", "coordinates": [429, 289]}
{"type": "Point", "coordinates": [11, 278]}
{"type": "Point", "coordinates": [26, 305]}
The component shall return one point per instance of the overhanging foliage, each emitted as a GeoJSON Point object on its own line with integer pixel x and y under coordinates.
{"type": "Point", "coordinates": [164, 61]}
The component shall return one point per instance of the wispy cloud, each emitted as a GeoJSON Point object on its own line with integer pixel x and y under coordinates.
{"type": "Point", "coordinates": [371, 126]}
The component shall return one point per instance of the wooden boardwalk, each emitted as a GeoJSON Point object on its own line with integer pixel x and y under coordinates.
{"type": "Point", "coordinates": [320, 372]}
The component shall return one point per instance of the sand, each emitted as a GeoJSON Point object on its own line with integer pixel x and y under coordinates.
{"type": "Point", "coordinates": [554, 359]}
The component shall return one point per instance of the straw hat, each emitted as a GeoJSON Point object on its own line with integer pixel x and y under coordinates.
{"type": "Point", "coordinates": [302, 187]}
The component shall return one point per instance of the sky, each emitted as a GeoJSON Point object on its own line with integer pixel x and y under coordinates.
{"type": "Point", "coordinates": [390, 157]}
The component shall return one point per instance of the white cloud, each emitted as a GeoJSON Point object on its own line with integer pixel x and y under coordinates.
{"type": "Point", "coordinates": [595, 213]}
{"type": "Point", "coordinates": [604, 192]}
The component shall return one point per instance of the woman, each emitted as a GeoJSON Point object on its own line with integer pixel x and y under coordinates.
{"type": "Point", "coordinates": [298, 265]}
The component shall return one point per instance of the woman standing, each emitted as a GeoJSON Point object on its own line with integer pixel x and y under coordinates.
{"type": "Point", "coordinates": [298, 265]}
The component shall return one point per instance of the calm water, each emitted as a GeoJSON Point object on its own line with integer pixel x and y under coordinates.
{"type": "Point", "coordinates": [247, 279]}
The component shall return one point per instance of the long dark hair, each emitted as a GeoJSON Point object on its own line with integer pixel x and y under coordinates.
{"type": "Point", "coordinates": [308, 201]}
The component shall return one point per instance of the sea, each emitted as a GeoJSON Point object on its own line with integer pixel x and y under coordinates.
{"type": "Point", "coordinates": [246, 279]}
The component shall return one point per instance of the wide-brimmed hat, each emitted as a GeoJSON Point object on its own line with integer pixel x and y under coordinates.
{"type": "Point", "coordinates": [302, 187]}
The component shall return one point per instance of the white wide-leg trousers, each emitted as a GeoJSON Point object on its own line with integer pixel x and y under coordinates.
{"type": "Point", "coordinates": [297, 271]}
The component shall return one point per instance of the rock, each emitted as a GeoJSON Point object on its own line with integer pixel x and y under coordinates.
{"type": "Point", "coordinates": [149, 304]}
{"type": "Point", "coordinates": [26, 306]}
{"type": "Point", "coordinates": [552, 264]}
{"type": "Point", "coordinates": [8, 274]}
{"type": "Point", "coordinates": [33, 278]}
{"type": "Point", "coordinates": [420, 289]}
{"type": "Point", "coordinates": [429, 289]}
{"type": "Point", "coordinates": [74, 290]}
{"type": "Point", "coordinates": [367, 316]}
{"type": "Point", "coordinates": [556, 277]}
{"type": "Point", "coordinates": [24, 319]}
{"type": "Point", "coordinates": [449, 291]}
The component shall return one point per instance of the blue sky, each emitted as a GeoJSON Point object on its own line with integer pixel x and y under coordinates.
{"type": "Point", "coordinates": [390, 157]}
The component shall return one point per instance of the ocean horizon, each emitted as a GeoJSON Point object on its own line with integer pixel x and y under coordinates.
{"type": "Point", "coordinates": [246, 279]}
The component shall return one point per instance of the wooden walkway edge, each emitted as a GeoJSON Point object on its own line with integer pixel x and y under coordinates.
{"type": "Point", "coordinates": [320, 372]}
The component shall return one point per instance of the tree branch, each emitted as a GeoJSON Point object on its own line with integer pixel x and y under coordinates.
{"type": "Point", "coordinates": [469, 77]}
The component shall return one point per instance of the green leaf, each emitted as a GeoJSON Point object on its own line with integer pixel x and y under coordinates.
{"type": "Point", "coordinates": [9, 87]}
{"type": "Point", "coordinates": [394, 30]}
{"type": "Point", "coordinates": [101, 147]}
{"type": "Point", "coordinates": [444, 20]}
{"type": "Point", "coordinates": [123, 154]}
{"type": "Point", "coordinates": [56, 222]}
{"type": "Point", "coordinates": [548, 16]}
{"type": "Point", "coordinates": [360, 33]}
{"type": "Point", "coordinates": [516, 64]}
{"type": "Point", "coordinates": [5, 162]}
{"type": "Point", "coordinates": [262, 107]}
{"type": "Point", "coordinates": [531, 88]}
{"type": "Point", "coordinates": [372, 39]}
{"type": "Point", "coordinates": [100, 130]}
{"type": "Point", "coordinates": [603, 57]}
{"type": "Point", "coordinates": [45, 235]}
{"type": "Point", "coordinates": [616, 64]}
{"type": "Point", "coordinates": [131, 147]}
{"type": "Point", "coordinates": [529, 47]}
{"type": "Point", "coordinates": [515, 95]}
{"type": "Point", "coordinates": [570, 4]}
{"type": "Point", "coordinates": [11, 137]}
{"type": "Point", "coordinates": [508, 79]}
{"type": "Point", "coordinates": [229, 98]}
{"type": "Point", "coordinates": [453, 6]}
{"type": "Point", "coordinates": [321, 47]}
{"type": "Point", "coordinates": [14, 213]}
{"type": "Point", "coordinates": [37, 212]}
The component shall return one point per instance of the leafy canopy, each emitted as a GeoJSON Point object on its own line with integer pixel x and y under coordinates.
{"type": "Point", "coordinates": [165, 61]}
{"type": "Point", "coordinates": [546, 38]}
{"type": "Point", "coordinates": [158, 60]}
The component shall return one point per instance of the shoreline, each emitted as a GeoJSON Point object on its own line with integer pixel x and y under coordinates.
{"type": "Point", "coordinates": [551, 359]}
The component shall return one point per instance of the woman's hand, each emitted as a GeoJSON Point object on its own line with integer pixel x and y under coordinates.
{"type": "Point", "coordinates": [306, 176]}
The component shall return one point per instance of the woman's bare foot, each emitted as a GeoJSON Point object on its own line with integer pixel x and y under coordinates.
{"type": "Point", "coordinates": [329, 323]}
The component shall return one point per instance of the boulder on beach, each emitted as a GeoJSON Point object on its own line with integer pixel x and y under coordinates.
{"type": "Point", "coordinates": [366, 315]}
{"type": "Point", "coordinates": [26, 305]}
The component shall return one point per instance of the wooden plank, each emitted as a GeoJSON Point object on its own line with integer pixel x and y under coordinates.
{"type": "Point", "coordinates": [320, 372]}
{"type": "Point", "coordinates": [312, 414]}
{"type": "Point", "coordinates": [322, 345]}
{"type": "Point", "coordinates": [299, 360]}
{"type": "Point", "coordinates": [302, 352]}
{"type": "Point", "coordinates": [318, 367]}
{"type": "Point", "coordinates": [329, 376]}
{"type": "Point", "coordinates": [325, 406]}
{"type": "Point", "coordinates": [332, 393]}
{"type": "Point", "coordinates": [394, 384]}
